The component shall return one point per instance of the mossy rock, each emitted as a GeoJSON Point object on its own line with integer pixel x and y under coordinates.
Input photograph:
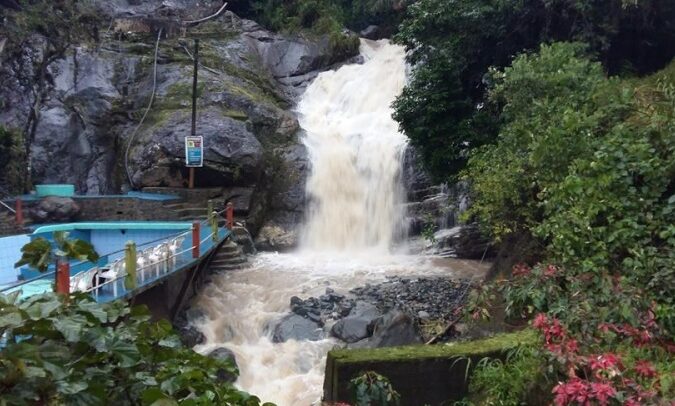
{"type": "Point", "coordinates": [422, 374]}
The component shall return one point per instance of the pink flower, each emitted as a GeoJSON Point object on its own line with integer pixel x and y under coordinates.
{"type": "Point", "coordinates": [606, 361]}
{"type": "Point", "coordinates": [574, 390]}
{"type": "Point", "coordinates": [540, 321]}
{"type": "Point", "coordinates": [602, 392]}
{"type": "Point", "coordinates": [521, 270]}
{"type": "Point", "coordinates": [550, 271]}
{"type": "Point", "coordinates": [645, 368]}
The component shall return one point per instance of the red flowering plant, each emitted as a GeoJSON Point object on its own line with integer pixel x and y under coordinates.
{"type": "Point", "coordinates": [602, 340]}
{"type": "Point", "coordinates": [589, 377]}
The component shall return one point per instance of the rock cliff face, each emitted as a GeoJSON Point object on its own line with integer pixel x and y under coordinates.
{"type": "Point", "coordinates": [97, 93]}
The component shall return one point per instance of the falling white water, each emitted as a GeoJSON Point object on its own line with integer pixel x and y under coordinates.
{"type": "Point", "coordinates": [356, 152]}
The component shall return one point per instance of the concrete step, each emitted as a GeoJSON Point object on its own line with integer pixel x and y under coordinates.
{"type": "Point", "coordinates": [229, 261]}
{"type": "Point", "coordinates": [223, 268]}
{"type": "Point", "coordinates": [228, 250]}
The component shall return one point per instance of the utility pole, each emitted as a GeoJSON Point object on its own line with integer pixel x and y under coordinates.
{"type": "Point", "coordinates": [191, 181]}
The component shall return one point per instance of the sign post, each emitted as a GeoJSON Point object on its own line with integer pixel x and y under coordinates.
{"type": "Point", "coordinates": [194, 151]}
{"type": "Point", "coordinates": [192, 164]}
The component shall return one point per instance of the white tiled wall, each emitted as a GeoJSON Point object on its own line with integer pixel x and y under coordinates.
{"type": "Point", "coordinates": [10, 253]}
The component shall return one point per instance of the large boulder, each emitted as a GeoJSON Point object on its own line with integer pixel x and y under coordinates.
{"type": "Point", "coordinates": [294, 327]}
{"type": "Point", "coordinates": [393, 329]}
{"type": "Point", "coordinates": [72, 142]}
{"type": "Point", "coordinates": [354, 328]}
{"type": "Point", "coordinates": [295, 56]}
{"type": "Point", "coordinates": [54, 209]}
{"type": "Point", "coordinates": [227, 355]}
{"type": "Point", "coordinates": [232, 155]}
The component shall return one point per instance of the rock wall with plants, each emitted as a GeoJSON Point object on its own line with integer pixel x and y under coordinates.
{"type": "Point", "coordinates": [79, 77]}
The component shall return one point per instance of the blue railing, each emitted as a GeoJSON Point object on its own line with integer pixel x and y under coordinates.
{"type": "Point", "coordinates": [156, 260]}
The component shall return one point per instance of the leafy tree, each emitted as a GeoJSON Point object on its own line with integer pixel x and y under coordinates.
{"type": "Point", "coordinates": [452, 44]}
{"type": "Point", "coordinates": [586, 165]}
{"type": "Point", "coordinates": [40, 253]}
{"type": "Point", "coordinates": [79, 352]}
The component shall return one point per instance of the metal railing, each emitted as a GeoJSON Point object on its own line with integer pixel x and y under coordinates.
{"type": "Point", "coordinates": [3, 194]}
{"type": "Point", "coordinates": [168, 261]}
{"type": "Point", "coordinates": [6, 206]}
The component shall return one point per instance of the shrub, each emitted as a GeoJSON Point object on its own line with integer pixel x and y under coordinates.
{"type": "Point", "coordinates": [373, 389]}
{"type": "Point", "coordinates": [76, 351]}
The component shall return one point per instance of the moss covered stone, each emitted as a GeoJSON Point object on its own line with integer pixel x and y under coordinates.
{"type": "Point", "coordinates": [422, 374]}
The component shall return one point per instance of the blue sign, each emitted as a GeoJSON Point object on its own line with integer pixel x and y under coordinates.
{"type": "Point", "coordinates": [194, 151]}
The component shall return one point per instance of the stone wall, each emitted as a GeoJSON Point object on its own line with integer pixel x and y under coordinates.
{"type": "Point", "coordinates": [123, 208]}
{"type": "Point", "coordinates": [422, 374]}
{"type": "Point", "coordinates": [114, 208]}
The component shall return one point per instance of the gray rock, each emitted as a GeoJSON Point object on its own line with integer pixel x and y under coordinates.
{"type": "Point", "coordinates": [296, 56]}
{"type": "Point", "coordinates": [351, 329]}
{"type": "Point", "coordinates": [224, 354]}
{"type": "Point", "coordinates": [55, 209]}
{"type": "Point", "coordinates": [423, 315]}
{"type": "Point", "coordinates": [372, 32]}
{"type": "Point", "coordinates": [294, 327]}
{"type": "Point", "coordinates": [358, 325]}
{"type": "Point", "coordinates": [232, 155]}
{"type": "Point", "coordinates": [274, 237]}
{"type": "Point", "coordinates": [393, 329]}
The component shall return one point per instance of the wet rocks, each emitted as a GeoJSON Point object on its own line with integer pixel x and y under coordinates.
{"type": "Point", "coordinates": [225, 354]}
{"type": "Point", "coordinates": [358, 325]}
{"type": "Point", "coordinates": [394, 328]}
{"type": "Point", "coordinates": [183, 324]}
{"type": "Point", "coordinates": [378, 315]}
{"type": "Point", "coordinates": [327, 306]}
{"type": "Point", "coordinates": [294, 327]}
{"type": "Point", "coordinates": [422, 298]}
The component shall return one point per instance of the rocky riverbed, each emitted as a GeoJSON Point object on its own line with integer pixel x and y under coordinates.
{"type": "Point", "coordinates": [396, 312]}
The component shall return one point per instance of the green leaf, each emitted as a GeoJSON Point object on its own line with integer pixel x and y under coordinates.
{"type": "Point", "coordinates": [126, 352]}
{"type": "Point", "coordinates": [71, 326]}
{"type": "Point", "coordinates": [11, 320]}
{"type": "Point", "coordinates": [154, 396]}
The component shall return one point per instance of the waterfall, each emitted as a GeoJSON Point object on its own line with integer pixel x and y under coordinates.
{"type": "Point", "coordinates": [356, 152]}
{"type": "Point", "coordinates": [355, 213]}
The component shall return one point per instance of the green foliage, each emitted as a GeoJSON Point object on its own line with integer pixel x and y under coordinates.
{"type": "Point", "coordinates": [445, 111]}
{"type": "Point", "coordinates": [551, 113]}
{"type": "Point", "coordinates": [517, 380]}
{"type": "Point", "coordinates": [373, 389]}
{"type": "Point", "coordinates": [12, 159]}
{"type": "Point", "coordinates": [76, 351]}
{"type": "Point", "coordinates": [323, 16]}
{"type": "Point", "coordinates": [40, 253]}
{"type": "Point", "coordinates": [586, 164]}
{"type": "Point", "coordinates": [60, 23]}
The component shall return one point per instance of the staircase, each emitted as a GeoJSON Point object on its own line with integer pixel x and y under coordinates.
{"type": "Point", "coordinates": [228, 258]}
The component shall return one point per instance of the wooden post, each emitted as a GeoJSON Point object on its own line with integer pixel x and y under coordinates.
{"type": "Point", "coordinates": [230, 215]}
{"type": "Point", "coordinates": [130, 265]}
{"type": "Point", "coordinates": [19, 212]}
{"type": "Point", "coordinates": [191, 176]}
{"type": "Point", "coordinates": [213, 221]}
{"type": "Point", "coordinates": [62, 276]}
{"type": "Point", "coordinates": [195, 239]}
